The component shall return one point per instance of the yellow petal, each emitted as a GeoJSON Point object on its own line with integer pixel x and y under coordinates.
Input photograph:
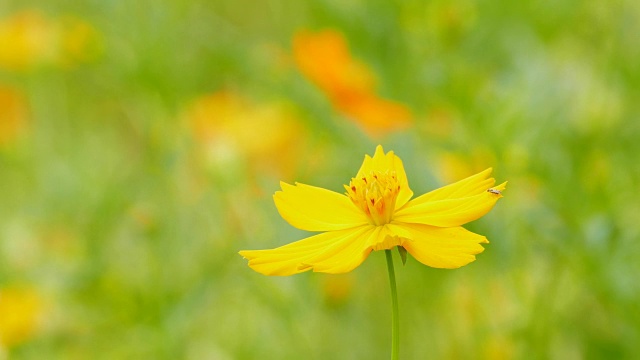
{"type": "Point", "coordinates": [388, 162]}
{"type": "Point", "coordinates": [449, 212]}
{"type": "Point", "coordinates": [388, 238]}
{"type": "Point", "coordinates": [302, 255]}
{"type": "Point", "coordinates": [446, 248]}
{"type": "Point", "coordinates": [315, 209]}
{"type": "Point", "coordinates": [472, 185]}
{"type": "Point", "coordinates": [347, 257]}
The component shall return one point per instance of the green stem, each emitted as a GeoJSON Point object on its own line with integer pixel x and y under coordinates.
{"type": "Point", "coordinates": [395, 335]}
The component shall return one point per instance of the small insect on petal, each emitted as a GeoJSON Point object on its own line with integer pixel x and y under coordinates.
{"type": "Point", "coordinates": [494, 191]}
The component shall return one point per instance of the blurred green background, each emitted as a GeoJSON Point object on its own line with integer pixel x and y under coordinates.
{"type": "Point", "coordinates": [141, 141]}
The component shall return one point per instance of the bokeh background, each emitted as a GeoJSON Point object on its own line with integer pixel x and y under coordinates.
{"type": "Point", "coordinates": [141, 141]}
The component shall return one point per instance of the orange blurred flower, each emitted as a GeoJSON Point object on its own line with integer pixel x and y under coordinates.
{"type": "Point", "coordinates": [232, 130]}
{"type": "Point", "coordinates": [13, 115]}
{"type": "Point", "coordinates": [29, 39]}
{"type": "Point", "coordinates": [325, 59]}
{"type": "Point", "coordinates": [376, 115]}
{"type": "Point", "coordinates": [20, 311]}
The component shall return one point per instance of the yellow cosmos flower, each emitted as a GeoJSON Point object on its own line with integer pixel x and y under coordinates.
{"type": "Point", "coordinates": [377, 213]}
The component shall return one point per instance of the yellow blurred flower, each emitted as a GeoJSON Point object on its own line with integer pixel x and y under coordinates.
{"type": "Point", "coordinates": [232, 130]}
{"type": "Point", "coordinates": [26, 39]}
{"type": "Point", "coordinates": [337, 289]}
{"type": "Point", "coordinates": [81, 42]}
{"type": "Point", "coordinates": [29, 39]}
{"type": "Point", "coordinates": [350, 85]}
{"type": "Point", "coordinates": [440, 121]}
{"type": "Point", "coordinates": [453, 166]}
{"type": "Point", "coordinates": [499, 348]}
{"type": "Point", "coordinates": [20, 311]}
{"type": "Point", "coordinates": [13, 115]}
{"type": "Point", "coordinates": [377, 214]}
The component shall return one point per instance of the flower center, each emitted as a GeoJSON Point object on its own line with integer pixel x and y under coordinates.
{"type": "Point", "coordinates": [375, 194]}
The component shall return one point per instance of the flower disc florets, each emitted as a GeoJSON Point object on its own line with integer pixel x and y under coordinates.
{"type": "Point", "coordinates": [375, 194]}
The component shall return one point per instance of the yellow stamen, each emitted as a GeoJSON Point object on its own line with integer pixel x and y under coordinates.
{"type": "Point", "coordinates": [375, 194]}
